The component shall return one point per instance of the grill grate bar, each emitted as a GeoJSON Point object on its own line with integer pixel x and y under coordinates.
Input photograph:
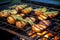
{"type": "Point", "coordinates": [15, 33]}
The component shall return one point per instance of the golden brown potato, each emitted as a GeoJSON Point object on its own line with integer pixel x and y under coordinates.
{"type": "Point", "coordinates": [33, 19]}
{"type": "Point", "coordinates": [13, 12]}
{"type": "Point", "coordinates": [30, 19]}
{"type": "Point", "coordinates": [33, 36]}
{"type": "Point", "coordinates": [42, 17]}
{"type": "Point", "coordinates": [48, 35]}
{"type": "Point", "coordinates": [27, 10]}
{"type": "Point", "coordinates": [36, 28]}
{"type": "Point", "coordinates": [52, 14]}
{"type": "Point", "coordinates": [56, 38]}
{"type": "Point", "coordinates": [42, 33]}
{"type": "Point", "coordinates": [20, 7]}
{"type": "Point", "coordinates": [45, 14]}
{"type": "Point", "coordinates": [45, 22]}
{"type": "Point", "coordinates": [22, 14]}
{"type": "Point", "coordinates": [30, 33]}
{"type": "Point", "coordinates": [38, 13]}
{"type": "Point", "coordinates": [11, 20]}
{"type": "Point", "coordinates": [42, 26]}
{"type": "Point", "coordinates": [4, 14]}
{"type": "Point", "coordinates": [44, 38]}
{"type": "Point", "coordinates": [20, 24]}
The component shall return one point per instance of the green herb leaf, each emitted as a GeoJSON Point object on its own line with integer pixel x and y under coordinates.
{"type": "Point", "coordinates": [30, 22]}
{"type": "Point", "coordinates": [52, 12]}
{"type": "Point", "coordinates": [44, 9]}
{"type": "Point", "coordinates": [13, 6]}
{"type": "Point", "coordinates": [18, 18]}
{"type": "Point", "coordinates": [21, 19]}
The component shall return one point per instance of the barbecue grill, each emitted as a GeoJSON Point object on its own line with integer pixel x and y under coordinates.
{"type": "Point", "coordinates": [54, 28]}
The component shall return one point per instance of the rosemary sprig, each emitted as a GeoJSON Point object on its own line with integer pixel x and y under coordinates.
{"type": "Point", "coordinates": [44, 9]}
{"type": "Point", "coordinates": [23, 5]}
{"type": "Point", "coordinates": [52, 12]}
{"type": "Point", "coordinates": [6, 11]}
{"type": "Point", "coordinates": [13, 6]}
{"type": "Point", "coordinates": [18, 6]}
{"type": "Point", "coordinates": [30, 22]}
{"type": "Point", "coordinates": [18, 18]}
{"type": "Point", "coordinates": [21, 19]}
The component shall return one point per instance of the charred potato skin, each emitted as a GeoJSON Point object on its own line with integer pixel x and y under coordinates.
{"type": "Point", "coordinates": [42, 17]}
{"type": "Point", "coordinates": [4, 15]}
{"type": "Point", "coordinates": [27, 10]}
{"type": "Point", "coordinates": [20, 24]}
{"type": "Point", "coordinates": [45, 22]}
{"type": "Point", "coordinates": [56, 37]}
{"type": "Point", "coordinates": [11, 20]}
{"type": "Point", "coordinates": [35, 29]}
{"type": "Point", "coordinates": [38, 13]}
{"type": "Point", "coordinates": [20, 7]}
{"type": "Point", "coordinates": [44, 38]}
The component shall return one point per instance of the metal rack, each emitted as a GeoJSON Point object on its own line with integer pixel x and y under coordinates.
{"type": "Point", "coordinates": [22, 32]}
